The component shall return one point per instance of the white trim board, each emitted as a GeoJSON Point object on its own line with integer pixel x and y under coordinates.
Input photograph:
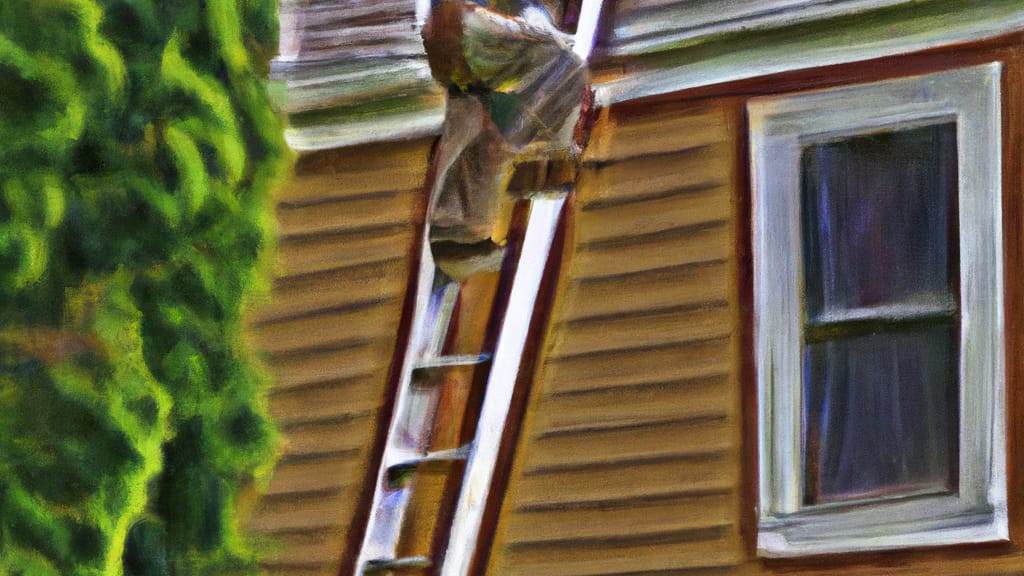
{"type": "Point", "coordinates": [976, 21]}
{"type": "Point", "coordinates": [643, 27]}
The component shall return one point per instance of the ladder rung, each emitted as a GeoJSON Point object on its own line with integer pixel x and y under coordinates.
{"type": "Point", "coordinates": [385, 564]}
{"type": "Point", "coordinates": [459, 261]}
{"type": "Point", "coordinates": [417, 458]}
{"type": "Point", "coordinates": [397, 472]}
{"type": "Point", "coordinates": [445, 361]}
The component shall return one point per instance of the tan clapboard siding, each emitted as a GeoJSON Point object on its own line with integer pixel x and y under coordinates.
{"type": "Point", "coordinates": [692, 468]}
{"type": "Point", "coordinates": [346, 398]}
{"type": "Point", "coordinates": [685, 208]}
{"type": "Point", "coordinates": [660, 290]}
{"type": "Point", "coordinates": [341, 250]}
{"type": "Point", "coordinates": [296, 569]}
{"type": "Point", "coordinates": [661, 401]}
{"type": "Point", "coordinates": [629, 134]}
{"type": "Point", "coordinates": [372, 169]}
{"type": "Point", "coordinates": [360, 212]}
{"type": "Point", "coordinates": [347, 360]}
{"type": "Point", "coordinates": [651, 517]}
{"type": "Point", "coordinates": [365, 320]}
{"type": "Point", "coordinates": [300, 513]}
{"type": "Point", "coordinates": [686, 246]}
{"type": "Point", "coordinates": [334, 289]}
{"type": "Point", "coordinates": [646, 439]}
{"type": "Point", "coordinates": [683, 324]}
{"type": "Point", "coordinates": [683, 362]}
{"type": "Point", "coordinates": [629, 459]}
{"type": "Point", "coordinates": [327, 436]}
{"type": "Point", "coordinates": [701, 548]}
{"type": "Point", "coordinates": [684, 171]}
{"type": "Point", "coordinates": [313, 475]}
{"type": "Point", "coordinates": [347, 221]}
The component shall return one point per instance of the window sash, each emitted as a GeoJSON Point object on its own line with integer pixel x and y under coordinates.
{"type": "Point", "coordinates": [779, 128]}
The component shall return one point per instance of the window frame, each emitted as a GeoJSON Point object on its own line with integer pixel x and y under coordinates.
{"type": "Point", "coordinates": [779, 127]}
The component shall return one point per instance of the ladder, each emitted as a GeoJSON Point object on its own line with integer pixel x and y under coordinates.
{"type": "Point", "coordinates": [456, 386]}
{"type": "Point", "coordinates": [457, 382]}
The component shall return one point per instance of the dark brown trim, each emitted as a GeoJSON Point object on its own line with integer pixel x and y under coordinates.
{"type": "Point", "coordinates": [357, 529]}
{"type": "Point", "coordinates": [1013, 281]}
{"type": "Point", "coordinates": [569, 19]}
{"type": "Point", "coordinates": [744, 270]}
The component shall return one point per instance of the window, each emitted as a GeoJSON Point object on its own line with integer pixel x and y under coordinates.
{"type": "Point", "coordinates": [878, 314]}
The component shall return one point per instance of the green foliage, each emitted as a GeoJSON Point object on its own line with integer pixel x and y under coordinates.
{"type": "Point", "coordinates": [137, 152]}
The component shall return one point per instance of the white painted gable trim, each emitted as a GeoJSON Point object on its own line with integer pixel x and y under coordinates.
{"type": "Point", "coordinates": [974, 22]}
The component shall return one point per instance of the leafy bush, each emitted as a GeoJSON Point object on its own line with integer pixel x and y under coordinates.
{"type": "Point", "coordinates": [137, 151]}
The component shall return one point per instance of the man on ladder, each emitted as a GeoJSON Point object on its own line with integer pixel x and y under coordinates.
{"type": "Point", "coordinates": [515, 89]}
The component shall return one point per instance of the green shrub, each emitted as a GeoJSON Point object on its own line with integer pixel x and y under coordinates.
{"type": "Point", "coordinates": [137, 151]}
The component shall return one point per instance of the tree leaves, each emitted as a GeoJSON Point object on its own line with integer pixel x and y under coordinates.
{"type": "Point", "coordinates": [138, 152]}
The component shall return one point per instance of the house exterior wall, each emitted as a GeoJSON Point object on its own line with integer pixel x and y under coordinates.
{"type": "Point", "coordinates": [347, 223]}
{"type": "Point", "coordinates": [630, 457]}
{"type": "Point", "coordinates": [637, 453]}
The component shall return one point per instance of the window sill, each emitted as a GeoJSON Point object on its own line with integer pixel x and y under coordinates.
{"type": "Point", "coordinates": [920, 522]}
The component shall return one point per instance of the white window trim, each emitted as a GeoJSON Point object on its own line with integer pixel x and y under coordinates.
{"type": "Point", "coordinates": [779, 126]}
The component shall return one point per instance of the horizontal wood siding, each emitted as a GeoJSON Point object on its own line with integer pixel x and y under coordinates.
{"type": "Point", "coordinates": [347, 224]}
{"type": "Point", "coordinates": [630, 454]}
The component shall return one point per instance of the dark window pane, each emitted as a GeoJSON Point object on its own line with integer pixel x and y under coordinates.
{"type": "Point", "coordinates": [881, 415]}
{"type": "Point", "coordinates": [878, 213]}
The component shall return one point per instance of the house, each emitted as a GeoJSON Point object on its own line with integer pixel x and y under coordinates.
{"type": "Point", "coordinates": [774, 327]}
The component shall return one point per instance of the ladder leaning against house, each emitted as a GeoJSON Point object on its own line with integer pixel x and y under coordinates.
{"type": "Point", "coordinates": [458, 378]}
{"type": "Point", "coordinates": [456, 387]}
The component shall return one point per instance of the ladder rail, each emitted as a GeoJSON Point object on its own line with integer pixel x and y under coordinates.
{"type": "Point", "coordinates": [545, 214]}
{"type": "Point", "coordinates": [481, 459]}
{"type": "Point", "coordinates": [480, 453]}
{"type": "Point", "coordinates": [368, 551]}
